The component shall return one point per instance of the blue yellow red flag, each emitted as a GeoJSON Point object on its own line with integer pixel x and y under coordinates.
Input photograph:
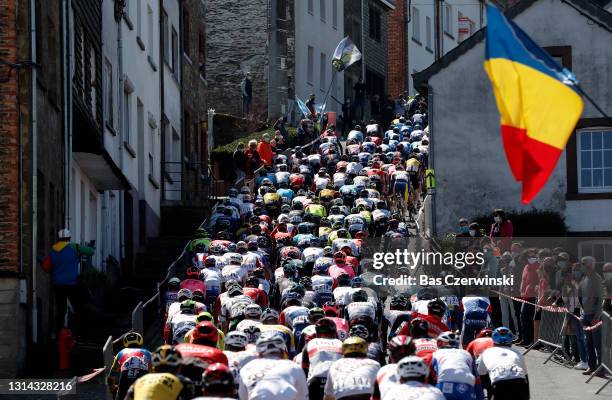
{"type": "Point", "coordinates": [536, 98]}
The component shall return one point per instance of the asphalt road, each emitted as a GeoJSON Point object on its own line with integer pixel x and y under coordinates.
{"type": "Point", "coordinates": [551, 381]}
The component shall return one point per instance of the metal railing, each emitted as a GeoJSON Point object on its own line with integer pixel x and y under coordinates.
{"type": "Point", "coordinates": [606, 351]}
{"type": "Point", "coordinates": [188, 181]}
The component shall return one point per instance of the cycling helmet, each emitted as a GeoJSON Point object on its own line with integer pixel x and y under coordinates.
{"type": "Point", "coordinates": [486, 332]}
{"type": "Point", "coordinates": [399, 302]}
{"type": "Point", "coordinates": [184, 294]}
{"type": "Point", "coordinates": [205, 333]}
{"type": "Point", "coordinates": [399, 347]}
{"type": "Point", "coordinates": [289, 268]}
{"type": "Point", "coordinates": [188, 306]}
{"type": "Point", "coordinates": [252, 332]}
{"type": "Point", "coordinates": [232, 192]}
{"type": "Point", "coordinates": [269, 314]}
{"type": "Point", "coordinates": [192, 273]}
{"type": "Point", "coordinates": [236, 339]}
{"type": "Point", "coordinates": [343, 280]}
{"type": "Point", "coordinates": [331, 309]}
{"type": "Point", "coordinates": [354, 346]}
{"type": "Point", "coordinates": [132, 339]}
{"type": "Point", "coordinates": [292, 297]}
{"type": "Point", "coordinates": [174, 284]}
{"type": "Point", "coordinates": [210, 262]}
{"type": "Point", "coordinates": [342, 233]}
{"type": "Point", "coordinates": [198, 295]}
{"type": "Point", "coordinates": [252, 311]}
{"type": "Point", "coordinates": [320, 269]}
{"type": "Point", "coordinates": [412, 367]}
{"type": "Point", "coordinates": [218, 374]}
{"type": "Point", "coordinates": [270, 342]}
{"type": "Point", "coordinates": [360, 331]}
{"type": "Point", "coordinates": [241, 247]}
{"type": "Point", "coordinates": [165, 356]}
{"type": "Point", "coordinates": [436, 307]}
{"type": "Point", "coordinates": [359, 296]}
{"type": "Point", "coordinates": [231, 247]}
{"type": "Point", "coordinates": [502, 336]}
{"type": "Point", "coordinates": [339, 257]}
{"type": "Point", "coordinates": [235, 290]}
{"type": "Point", "coordinates": [326, 326]}
{"type": "Point", "coordinates": [298, 288]}
{"type": "Point", "coordinates": [419, 328]}
{"type": "Point", "coordinates": [448, 340]}
{"type": "Point", "coordinates": [357, 282]}
{"type": "Point", "coordinates": [204, 316]}
{"type": "Point", "coordinates": [252, 245]}
{"type": "Point", "coordinates": [235, 259]}
{"type": "Point", "coordinates": [306, 281]}
{"type": "Point", "coordinates": [327, 251]}
{"type": "Point", "coordinates": [315, 314]}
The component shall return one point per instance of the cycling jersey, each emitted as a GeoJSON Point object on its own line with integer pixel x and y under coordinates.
{"type": "Point", "coordinates": [193, 284]}
{"type": "Point", "coordinates": [321, 182]}
{"type": "Point", "coordinates": [207, 354]}
{"type": "Point", "coordinates": [178, 326]}
{"type": "Point", "coordinates": [413, 390]}
{"type": "Point", "coordinates": [318, 355]}
{"type": "Point", "coordinates": [425, 348]}
{"type": "Point", "coordinates": [394, 319]}
{"type": "Point", "coordinates": [351, 377]}
{"type": "Point", "coordinates": [266, 379]}
{"type": "Point", "coordinates": [339, 179]}
{"type": "Point", "coordinates": [310, 254]}
{"type": "Point", "coordinates": [342, 295]}
{"type": "Point", "coordinates": [455, 372]}
{"type": "Point", "coordinates": [360, 309]}
{"type": "Point", "coordinates": [238, 359]}
{"type": "Point", "coordinates": [502, 363]}
{"type": "Point", "coordinates": [294, 316]}
{"type": "Point", "coordinates": [477, 346]}
{"type": "Point", "coordinates": [233, 306]}
{"type": "Point", "coordinates": [284, 331]}
{"type": "Point", "coordinates": [156, 386]}
{"type": "Point", "coordinates": [234, 273]}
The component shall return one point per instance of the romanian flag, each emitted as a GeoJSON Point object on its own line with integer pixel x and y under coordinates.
{"type": "Point", "coordinates": [535, 96]}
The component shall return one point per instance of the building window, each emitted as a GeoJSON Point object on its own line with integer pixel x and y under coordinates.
{"type": "Point", "coordinates": [165, 37]}
{"type": "Point", "coordinates": [428, 32]}
{"type": "Point", "coordinates": [416, 25]}
{"type": "Point", "coordinates": [323, 14]}
{"type": "Point", "coordinates": [375, 26]}
{"type": "Point", "coordinates": [151, 165]}
{"type": "Point", "coordinates": [127, 118]}
{"type": "Point", "coordinates": [447, 21]}
{"type": "Point", "coordinates": [335, 14]}
{"type": "Point", "coordinates": [202, 52]}
{"type": "Point", "coordinates": [186, 32]}
{"type": "Point", "coordinates": [310, 66]}
{"type": "Point", "coordinates": [322, 72]}
{"type": "Point", "coordinates": [311, 7]}
{"type": "Point", "coordinates": [150, 32]}
{"type": "Point", "coordinates": [175, 62]}
{"type": "Point", "coordinates": [595, 160]}
{"type": "Point", "coordinates": [109, 102]}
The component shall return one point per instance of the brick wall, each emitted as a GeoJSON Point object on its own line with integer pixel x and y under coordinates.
{"type": "Point", "coordinates": [397, 50]}
{"type": "Point", "coordinates": [9, 130]}
{"type": "Point", "coordinates": [236, 34]}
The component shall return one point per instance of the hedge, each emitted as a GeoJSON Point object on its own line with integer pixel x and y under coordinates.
{"type": "Point", "coordinates": [223, 154]}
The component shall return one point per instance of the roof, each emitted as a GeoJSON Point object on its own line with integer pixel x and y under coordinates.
{"type": "Point", "coordinates": [589, 8]}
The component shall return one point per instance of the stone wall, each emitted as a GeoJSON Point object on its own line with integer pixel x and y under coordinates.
{"type": "Point", "coordinates": [236, 42]}
{"type": "Point", "coordinates": [397, 50]}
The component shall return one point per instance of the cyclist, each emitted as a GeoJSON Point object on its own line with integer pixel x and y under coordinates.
{"type": "Point", "coordinates": [318, 355]}
{"type": "Point", "coordinates": [129, 364]}
{"type": "Point", "coordinates": [412, 373]}
{"type": "Point", "coordinates": [218, 383]}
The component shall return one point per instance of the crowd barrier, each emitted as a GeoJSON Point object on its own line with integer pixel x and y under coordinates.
{"type": "Point", "coordinates": [552, 326]}
{"type": "Point", "coordinates": [606, 351]}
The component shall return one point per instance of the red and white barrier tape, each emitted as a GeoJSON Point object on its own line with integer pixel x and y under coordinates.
{"type": "Point", "coordinates": [550, 309]}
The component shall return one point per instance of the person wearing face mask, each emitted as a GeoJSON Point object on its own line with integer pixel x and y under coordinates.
{"type": "Point", "coordinates": [474, 230]}
{"type": "Point", "coordinates": [590, 295]}
{"type": "Point", "coordinates": [501, 230]}
{"type": "Point", "coordinates": [264, 148]}
{"type": "Point", "coordinates": [506, 304]}
{"type": "Point", "coordinates": [607, 270]}
{"type": "Point", "coordinates": [561, 264]}
{"type": "Point", "coordinates": [529, 285]}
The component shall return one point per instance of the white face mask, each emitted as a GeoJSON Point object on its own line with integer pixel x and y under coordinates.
{"type": "Point", "coordinates": [532, 260]}
{"type": "Point", "coordinates": [472, 232]}
{"type": "Point", "coordinates": [497, 219]}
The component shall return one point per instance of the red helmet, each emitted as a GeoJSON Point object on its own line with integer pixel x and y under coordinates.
{"type": "Point", "coordinates": [192, 273]}
{"type": "Point", "coordinates": [331, 309]}
{"type": "Point", "coordinates": [265, 218]}
{"type": "Point", "coordinates": [399, 347]}
{"type": "Point", "coordinates": [205, 333]}
{"type": "Point", "coordinates": [217, 374]}
{"type": "Point", "coordinates": [339, 256]}
{"type": "Point", "coordinates": [486, 332]}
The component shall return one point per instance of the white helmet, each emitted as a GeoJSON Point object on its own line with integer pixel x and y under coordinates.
{"type": "Point", "coordinates": [283, 218]}
{"type": "Point", "coordinates": [252, 311]}
{"type": "Point", "coordinates": [269, 313]}
{"type": "Point", "coordinates": [235, 259]}
{"type": "Point", "coordinates": [412, 367]}
{"type": "Point", "coordinates": [236, 339]}
{"type": "Point", "coordinates": [64, 233]}
{"type": "Point", "coordinates": [270, 342]}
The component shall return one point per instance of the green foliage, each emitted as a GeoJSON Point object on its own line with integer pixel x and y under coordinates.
{"type": "Point", "coordinates": [529, 223]}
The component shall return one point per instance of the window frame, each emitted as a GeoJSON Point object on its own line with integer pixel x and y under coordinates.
{"type": "Point", "coordinates": [428, 33]}
{"type": "Point", "coordinates": [447, 19]}
{"type": "Point", "coordinates": [335, 14]}
{"type": "Point", "coordinates": [310, 7]}
{"type": "Point", "coordinates": [186, 33]}
{"type": "Point", "coordinates": [165, 22]}
{"type": "Point", "coordinates": [310, 65]}
{"type": "Point", "coordinates": [109, 95]}
{"type": "Point", "coordinates": [375, 24]}
{"type": "Point", "coordinates": [579, 137]}
{"type": "Point", "coordinates": [416, 25]}
{"type": "Point", "coordinates": [322, 11]}
{"type": "Point", "coordinates": [175, 52]}
{"type": "Point", "coordinates": [323, 71]}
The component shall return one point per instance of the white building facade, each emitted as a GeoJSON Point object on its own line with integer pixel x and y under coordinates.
{"type": "Point", "coordinates": [319, 27]}
{"type": "Point", "coordinates": [457, 20]}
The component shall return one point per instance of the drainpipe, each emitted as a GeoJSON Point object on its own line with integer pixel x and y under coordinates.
{"type": "Point", "coordinates": [162, 103]}
{"type": "Point", "coordinates": [118, 18]}
{"type": "Point", "coordinates": [438, 31]}
{"type": "Point", "coordinates": [432, 165]}
{"type": "Point", "coordinates": [67, 4]}
{"type": "Point", "coordinates": [34, 155]}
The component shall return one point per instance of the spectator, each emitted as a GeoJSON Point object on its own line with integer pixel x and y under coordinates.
{"type": "Point", "coordinates": [64, 264]}
{"type": "Point", "coordinates": [491, 262]}
{"type": "Point", "coordinates": [359, 104]}
{"type": "Point", "coordinates": [280, 144]}
{"type": "Point", "coordinates": [561, 264]}
{"type": "Point", "coordinates": [543, 292]}
{"type": "Point", "coordinates": [506, 304]}
{"type": "Point", "coordinates": [590, 296]}
{"type": "Point", "coordinates": [279, 126]}
{"type": "Point", "coordinates": [529, 284]}
{"type": "Point", "coordinates": [264, 148]}
{"type": "Point", "coordinates": [239, 162]}
{"type": "Point", "coordinates": [311, 104]}
{"type": "Point", "coordinates": [574, 331]}
{"type": "Point", "coordinates": [501, 228]}
{"type": "Point", "coordinates": [377, 108]}
{"type": "Point", "coordinates": [246, 87]}
{"type": "Point", "coordinates": [252, 159]}
{"type": "Point", "coordinates": [607, 270]}
{"type": "Point", "coordinates": [518, 260]}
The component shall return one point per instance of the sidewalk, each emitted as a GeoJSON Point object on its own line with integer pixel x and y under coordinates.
{"type": "Point", "coordinates": [554, 382]}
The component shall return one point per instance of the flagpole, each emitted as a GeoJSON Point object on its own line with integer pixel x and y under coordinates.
{"type": "Point", "coordinates": [597, 107]}
{"type": "Point", "coordinates": [327, 95]}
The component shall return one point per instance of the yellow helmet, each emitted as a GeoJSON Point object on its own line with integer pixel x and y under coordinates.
{"type": "Point", "coordinates": [132, 339]}
{"type": "Point", "coordinates": [166, 356]}
{"type": "Point", "coordinates": [354, 345]}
